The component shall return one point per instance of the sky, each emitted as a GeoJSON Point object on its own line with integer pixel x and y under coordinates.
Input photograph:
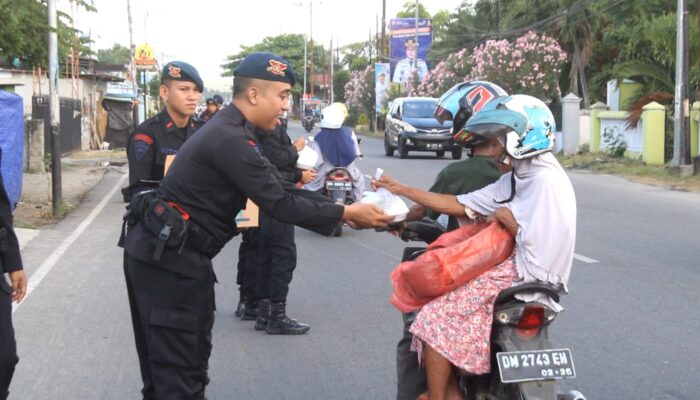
{"type": "Point", "coordinates": [204, 32]}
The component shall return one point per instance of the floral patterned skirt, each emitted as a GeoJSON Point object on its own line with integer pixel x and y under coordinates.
{"type": "Point", "coordinates": [458, 324]}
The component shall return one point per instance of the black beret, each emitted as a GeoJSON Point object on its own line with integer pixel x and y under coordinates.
{"type": "Point", "coordinates": [266, 66]}
{"type": "Point", "coordinates": [182, 71]}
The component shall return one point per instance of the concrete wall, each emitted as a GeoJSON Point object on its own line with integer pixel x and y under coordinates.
{"type": "Point", "coordinates": [89, 91]}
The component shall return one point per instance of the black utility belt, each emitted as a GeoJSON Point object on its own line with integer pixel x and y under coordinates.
{"type": "Point", "coordinates": [169, 223]}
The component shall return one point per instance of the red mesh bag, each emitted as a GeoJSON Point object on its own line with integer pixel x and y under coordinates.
{"type": "Point", "coordinates": [452, 260]}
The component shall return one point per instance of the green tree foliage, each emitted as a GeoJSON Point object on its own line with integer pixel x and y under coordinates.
{"type": "Point", "coordinates": [24, 30]}
{"type": "Point", "coordinates": [118, 54]}
{"type": "Point", "coordinates": [289, 46]}
{"type": "Point", "coordinates": [340, 78]}
{"type": "Point", "coordinates": [409, 11]}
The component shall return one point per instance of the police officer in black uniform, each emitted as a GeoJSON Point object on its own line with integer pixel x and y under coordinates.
{"type": "Point", "coordinates": [176, 231]}
{"type": "Point", "coordinates": [162, 135]}
{"type": "Point", "coordinates": [276, 258]}
{"type": "Point", "coordinates": [11, 264]}
{"type": "Point", "coordinates": [148, 146]}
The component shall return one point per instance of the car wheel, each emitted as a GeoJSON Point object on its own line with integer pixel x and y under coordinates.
{"type": "Point", "coordinates": [388, 148]}
{"type": "Point", "coordinates": [403, 150]}
{"type": "Point", "coordinates": [440, 153]}
{"type": "Point", "coordinates": [457, 152]}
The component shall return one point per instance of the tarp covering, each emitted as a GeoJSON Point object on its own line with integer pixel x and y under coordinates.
{"type": "Point", "coordinates": [12, 144]}
{"type": "Point", "coordinates": [119, 122]}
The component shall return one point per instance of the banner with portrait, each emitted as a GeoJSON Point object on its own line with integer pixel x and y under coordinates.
{"type": "Point", "coordinates": [405, 50]}
{"type": "Point", "coordinates": [382, 79]}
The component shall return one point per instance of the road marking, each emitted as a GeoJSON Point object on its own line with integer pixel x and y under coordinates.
{"type": "Point", "coordinates": [585, 259]}
{"type": "Point", "coordinates": [52, 259]}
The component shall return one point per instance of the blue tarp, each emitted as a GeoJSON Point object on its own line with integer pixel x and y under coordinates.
{"type": "Point", "coordinates": [12, 144]}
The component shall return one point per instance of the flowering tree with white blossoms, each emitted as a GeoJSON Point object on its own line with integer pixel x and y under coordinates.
{"type": "Point", "coordinates": [529, 65]}
{"type": "Point", "coordinates": [359, 93]}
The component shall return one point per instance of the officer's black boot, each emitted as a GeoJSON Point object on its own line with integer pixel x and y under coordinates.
{"type": "Point", "coordinates": [280, 324]}
{"type": "Point", "coordinates": [263, 315]}
{"type": "Point", "coordinates": [250, 313]}
{"type": "Point", "coordinates": [241, 306]}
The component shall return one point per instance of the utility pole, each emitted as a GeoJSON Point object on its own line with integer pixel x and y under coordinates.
{"type": "Point", "coordinates": [332, 97]}
{"type": "Point", "coordinates": [415, 55]}
{"type": "Point", "coordinates": [681, 123]}
{"type": "Point", "coordinates": [384, 50]}
{"type": "Point", "coordinates": [303, 91]}
{"type": "Point", "coordinates": [54, 111]}
{"type": "Point", "coordinates": [498, 15]}
{"type": "Point", "coordinates": [135, 86]}
{"type": "Point", "coordinates": [311, 45]}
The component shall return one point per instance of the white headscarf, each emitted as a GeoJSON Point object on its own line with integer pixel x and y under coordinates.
{"type": "Point", "coordinates": [544, 207]}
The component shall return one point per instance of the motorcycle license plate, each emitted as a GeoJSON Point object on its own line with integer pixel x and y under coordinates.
{"type": "Point", "coordinates": [433, 146]}
{"type": "Point", "coordinates": [338, 185]}
{"type": "Point", "coordinates": [521, 366]}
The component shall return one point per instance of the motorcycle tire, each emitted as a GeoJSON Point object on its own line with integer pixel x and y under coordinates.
{"type": "Point", "coordinates": [403, 151]}
{"type": "Point", "coordinates": [388, 148]}
{"type": "Point", "coordinates": [457, 153]}
{"type": "Point", "coordinates": [440, 153]}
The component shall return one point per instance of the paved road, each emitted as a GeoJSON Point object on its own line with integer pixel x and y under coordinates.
{"type": "Point", "coordinates": [629, 320]}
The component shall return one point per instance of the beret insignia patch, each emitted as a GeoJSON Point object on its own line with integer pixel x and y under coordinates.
{"type": "Point", "coordinates": [277, 67]}
{"type": "Point", "coordinates": [174, 72]}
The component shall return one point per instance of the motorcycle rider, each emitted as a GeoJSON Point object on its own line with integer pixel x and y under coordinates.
{"type": "Point", "coordinates": [308, 119]}
{"type": "Point", "coordinates": [535, 202]}
{"type": "Point", "coordinates": [336, 148]}
{"type": "Point", "coordinates": [344, 109]}
{"type": "Point", "coordinates": [458, 105]}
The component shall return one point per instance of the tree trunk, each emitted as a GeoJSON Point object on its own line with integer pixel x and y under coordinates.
{"type": "Point", "coordinates": [584, 86]}
{"type": "Point", "coordinates": [574, 72]}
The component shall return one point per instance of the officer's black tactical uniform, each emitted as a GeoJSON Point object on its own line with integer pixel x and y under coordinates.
{"type": "Point", "coordinates": [152, 141]}
{"type": "Point", "coordinates": [277, 147]}
{"type": "Point", "coordinates": [148, 146]}
{"type": "Point", "coordinates": [10, 260]}
{"type": "Point", "coordinates": [170, 266]}
{"type": "Point", "coordinates": [277, 256]}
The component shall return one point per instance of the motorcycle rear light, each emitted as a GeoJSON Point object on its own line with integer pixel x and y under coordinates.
{"type": "Point", "coordinates": [533, 317]}
{"type": "Point", "coordinates": [530, 322]}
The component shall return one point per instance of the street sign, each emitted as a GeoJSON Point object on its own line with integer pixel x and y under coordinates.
{"type": "Point", "coordinates": [144, 57]}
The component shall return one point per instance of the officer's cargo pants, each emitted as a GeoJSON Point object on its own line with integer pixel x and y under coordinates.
{"type": "Point", "coordinates": [247, 267]}
{"type": "Point", "coordinates": [276, 258]}
{"type": "Point", "coordinates": [177, 316]}
{"type": "Point", "coordinates": [8, 346]}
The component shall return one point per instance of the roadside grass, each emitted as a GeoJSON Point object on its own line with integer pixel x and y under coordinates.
{"type": "Point", "coordinates": [634, 170]}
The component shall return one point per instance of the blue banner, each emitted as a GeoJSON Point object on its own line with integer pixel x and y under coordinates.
{"type": "Point", "coordinates": [404, 48]}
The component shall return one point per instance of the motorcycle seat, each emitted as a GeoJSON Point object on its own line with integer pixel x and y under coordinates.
{"type": "Point", "coordinates": [508, 295]}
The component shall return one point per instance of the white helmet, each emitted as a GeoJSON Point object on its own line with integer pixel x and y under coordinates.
{"type": "Point", "coordinates": [332, 117]}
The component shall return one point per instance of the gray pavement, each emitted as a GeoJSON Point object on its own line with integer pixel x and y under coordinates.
{"type": "Point", "coordinates": [629, 319]}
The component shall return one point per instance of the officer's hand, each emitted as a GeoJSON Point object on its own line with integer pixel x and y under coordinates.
{"type": "Point", "coordinates": [299, 143]}
{"type": "Point", "coordinates": [307, 175]}
{"type": "Point", "coordinates": [365, 216]}
{"type": "Point", "coordinates": [389, 184]}
{"type": "Point", "coordinates": [18, 279]}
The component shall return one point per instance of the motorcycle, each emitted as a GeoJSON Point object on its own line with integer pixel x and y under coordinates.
{"type": "Point", "coordinates": [525, 364]}
{"type": "Point", "coordinates": [338, 187]}
{"type": "Point", "coordinates": [308, 122]}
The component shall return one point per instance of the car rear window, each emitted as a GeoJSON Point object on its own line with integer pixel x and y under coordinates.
{"type": "Point", "coordinates": [418, 109]}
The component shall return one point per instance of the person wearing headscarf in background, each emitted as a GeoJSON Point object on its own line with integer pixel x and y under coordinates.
{"type": "Point", "coordinates": [535, 203]}
{"type": "Point", "coordinates": [336, 148]}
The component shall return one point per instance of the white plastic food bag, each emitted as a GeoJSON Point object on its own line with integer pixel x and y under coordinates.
{"type": "Point", "coordinates": [307, 158]}
{"type": "Point", "coordinates": [391, 204]}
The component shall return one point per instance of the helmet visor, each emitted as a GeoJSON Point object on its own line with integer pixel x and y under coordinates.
{"type": "Point", "coordinates": [442, 114]}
